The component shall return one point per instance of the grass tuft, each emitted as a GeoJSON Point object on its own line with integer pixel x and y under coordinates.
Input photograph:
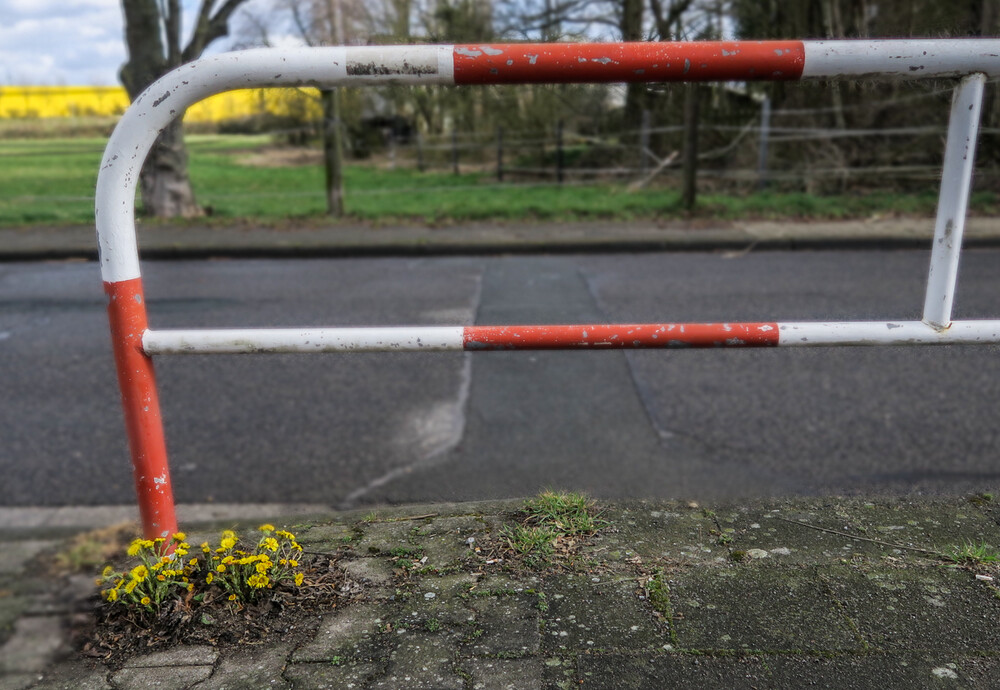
{"type": "Point", "coordinates": [552, 523]}
{"type": "Point", "coordinates": [972, 553]}
{"type": "Point", "coordinates": [567, 514]}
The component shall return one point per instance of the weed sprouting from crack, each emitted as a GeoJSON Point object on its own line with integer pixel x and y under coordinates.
{"type": "Point", "coordinates": [552, 524]}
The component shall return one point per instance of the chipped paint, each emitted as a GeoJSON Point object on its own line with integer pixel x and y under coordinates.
{"type": "Point", "coordinates": [624, 62]}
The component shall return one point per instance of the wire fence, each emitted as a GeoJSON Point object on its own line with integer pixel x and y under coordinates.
{"type": "Point", "coordinates": [781, 147]}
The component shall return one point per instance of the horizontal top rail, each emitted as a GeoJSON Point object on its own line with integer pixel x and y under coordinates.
{"type": "Point", "coordinates": [168, 97]}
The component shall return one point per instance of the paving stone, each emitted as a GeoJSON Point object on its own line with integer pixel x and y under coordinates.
{"type": "Point", "coordinates": [17, 681]}
{"type": "Point", "coordinates": [463, 526]}
{"type": "Point", "coordinates": [767, 527]}
{"type": "Point", "coordinates": [663, 532]}
{"type": "Point", "coordinates": [332, 534]}
{"type": "Point", "coordinates": [438, 603]}
{"type": "Point", "coordinates": [422, 661]}
{"type": "Point", "coordinates": [990, 507]}
{"type": "Point", "coordinates": [936, 525]}
{"type": "Point", "coordinates": [504, 674]}
{"type": "Point", "coordinates": [327, 676]}
{"type": "Point", "coordinates": [386, 538]}
{"type": "Point", "coordinates": [71, 596]}
{"type": "Point", "coordinates": [870, 671]}
{"type": "Point", "coordinates": [185, 655]}
{"type": "Point", "coordinates": [560, 672]}
{"type": "Point", "coordinates": [918, 608]}
{"type": "Point", "coordinates": [982, 673]}
{"type": "Point", "coordinates": [445, 540]}
{"type": "Point", "coordinates": [446, 586]}
{"type": "Point", "coordinates": [373, 571]}
{"type": "Point", "coordinates": [34, 644]}
{"type": "Point", "coordinates": [16, 554]}
{"type": "Point", "coordinates": [11, 608]}
{"type": "Point", "coordinates": [74, 674]}
{"type": "Point", "coordinates": [753, 608]}
{"type": "Point", "coordinates": [434, 615]}
{"type": "Point", "coordinates": [504, 625]}
{"type": "Point", "coordinates": [162, 678]}
{"type": "Point", "coordinates": [250, 668]}
{"type": "Point", "coordinates": [587, 613]}
{"type": "Point", "coordinates": [627, 672]}
{"type": "Point", "coordinates": [351, 633]}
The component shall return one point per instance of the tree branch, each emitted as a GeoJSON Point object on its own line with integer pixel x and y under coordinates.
{"type": "Point", "coordinates": [210, 29]}
{"type": "Point", "coordinates": [172, 29]}
{"type": "Point", "coordinates": [665, 24]}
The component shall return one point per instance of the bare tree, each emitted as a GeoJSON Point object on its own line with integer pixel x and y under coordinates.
{"type": "Point", "coordinates": [153, 38]}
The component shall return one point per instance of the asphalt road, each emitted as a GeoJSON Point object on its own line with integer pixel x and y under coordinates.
{"type": "Point", "coordinates": [360, 429]}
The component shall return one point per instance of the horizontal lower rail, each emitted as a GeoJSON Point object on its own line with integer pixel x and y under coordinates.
{"type": "Point", "coordinates": [577, 337]}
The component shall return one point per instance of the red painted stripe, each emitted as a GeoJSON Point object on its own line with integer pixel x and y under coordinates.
{"type": "Point", "coordinates": [521, 63]}
{"type": "Point", "coordinates": [621, 336]}
{"type": "Point", "coordinates": [127, 314]}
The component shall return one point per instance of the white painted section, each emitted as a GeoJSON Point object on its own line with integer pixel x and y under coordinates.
{"type": "Point", "coordinates": [245, 341]}
{"type": "Point", "coordinates": [953, 202]}
{"type": "Point", "coordinates": [168, 97]}
{"type": "Point", "coordinates": [907, 59]}
{"type": "Point", "coordinates": [887, 333]}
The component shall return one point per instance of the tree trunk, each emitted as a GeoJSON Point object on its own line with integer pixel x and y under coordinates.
{"type": "Point", "coordinates": [635, 93]}
{"type": "Point", "coordinates": [163, 183]}
{"type": "Point", "coordinates": [333, 153]}
{"type": "Point", "coordinates": [689, 194]}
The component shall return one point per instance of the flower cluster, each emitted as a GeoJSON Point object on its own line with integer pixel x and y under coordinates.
{"type": "Point", "coordinates": [241, 571]}
{"type": "Point", "coordinates": [158, 575]}
{"type": "Point", "coordinates": [244, 570]}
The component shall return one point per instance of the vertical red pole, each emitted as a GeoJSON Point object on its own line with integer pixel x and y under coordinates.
{"type": "Point", "coordinates": [127, 315]}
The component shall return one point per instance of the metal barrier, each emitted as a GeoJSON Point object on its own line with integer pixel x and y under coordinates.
{"type": "Point", "coordinates": [972, 61]}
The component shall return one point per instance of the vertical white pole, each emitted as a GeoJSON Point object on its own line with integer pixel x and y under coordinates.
{"type": "Point", "coordinates": [956, 181]}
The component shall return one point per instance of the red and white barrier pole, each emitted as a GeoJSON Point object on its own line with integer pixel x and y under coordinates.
{"type": "Point", "coordinates": [137, 381]}
{"type": "Point", "coordinates": [169, 96]}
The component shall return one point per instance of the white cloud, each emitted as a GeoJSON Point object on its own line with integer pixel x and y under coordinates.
{"type": "Point", "coordinates": [60, 42]}
{"type": "Point", "coordinates": [64, 41]}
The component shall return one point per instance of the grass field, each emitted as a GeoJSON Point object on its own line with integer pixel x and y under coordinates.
{"type": "Point", "coordinates": [51, 181]}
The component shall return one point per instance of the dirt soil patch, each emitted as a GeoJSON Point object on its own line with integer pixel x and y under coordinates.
{"type": "Point", "coordinates": [115, 634]}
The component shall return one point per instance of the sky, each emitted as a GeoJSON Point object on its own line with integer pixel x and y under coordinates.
{"type": "Point", "coordinates": [65, 42]}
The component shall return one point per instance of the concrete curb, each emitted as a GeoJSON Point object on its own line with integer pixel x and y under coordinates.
{"type": "Point", "coordinates": [193, 242]}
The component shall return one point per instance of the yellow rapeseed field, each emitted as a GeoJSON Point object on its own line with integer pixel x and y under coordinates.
{"type": "Point", "coordinates": [29, 102]}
